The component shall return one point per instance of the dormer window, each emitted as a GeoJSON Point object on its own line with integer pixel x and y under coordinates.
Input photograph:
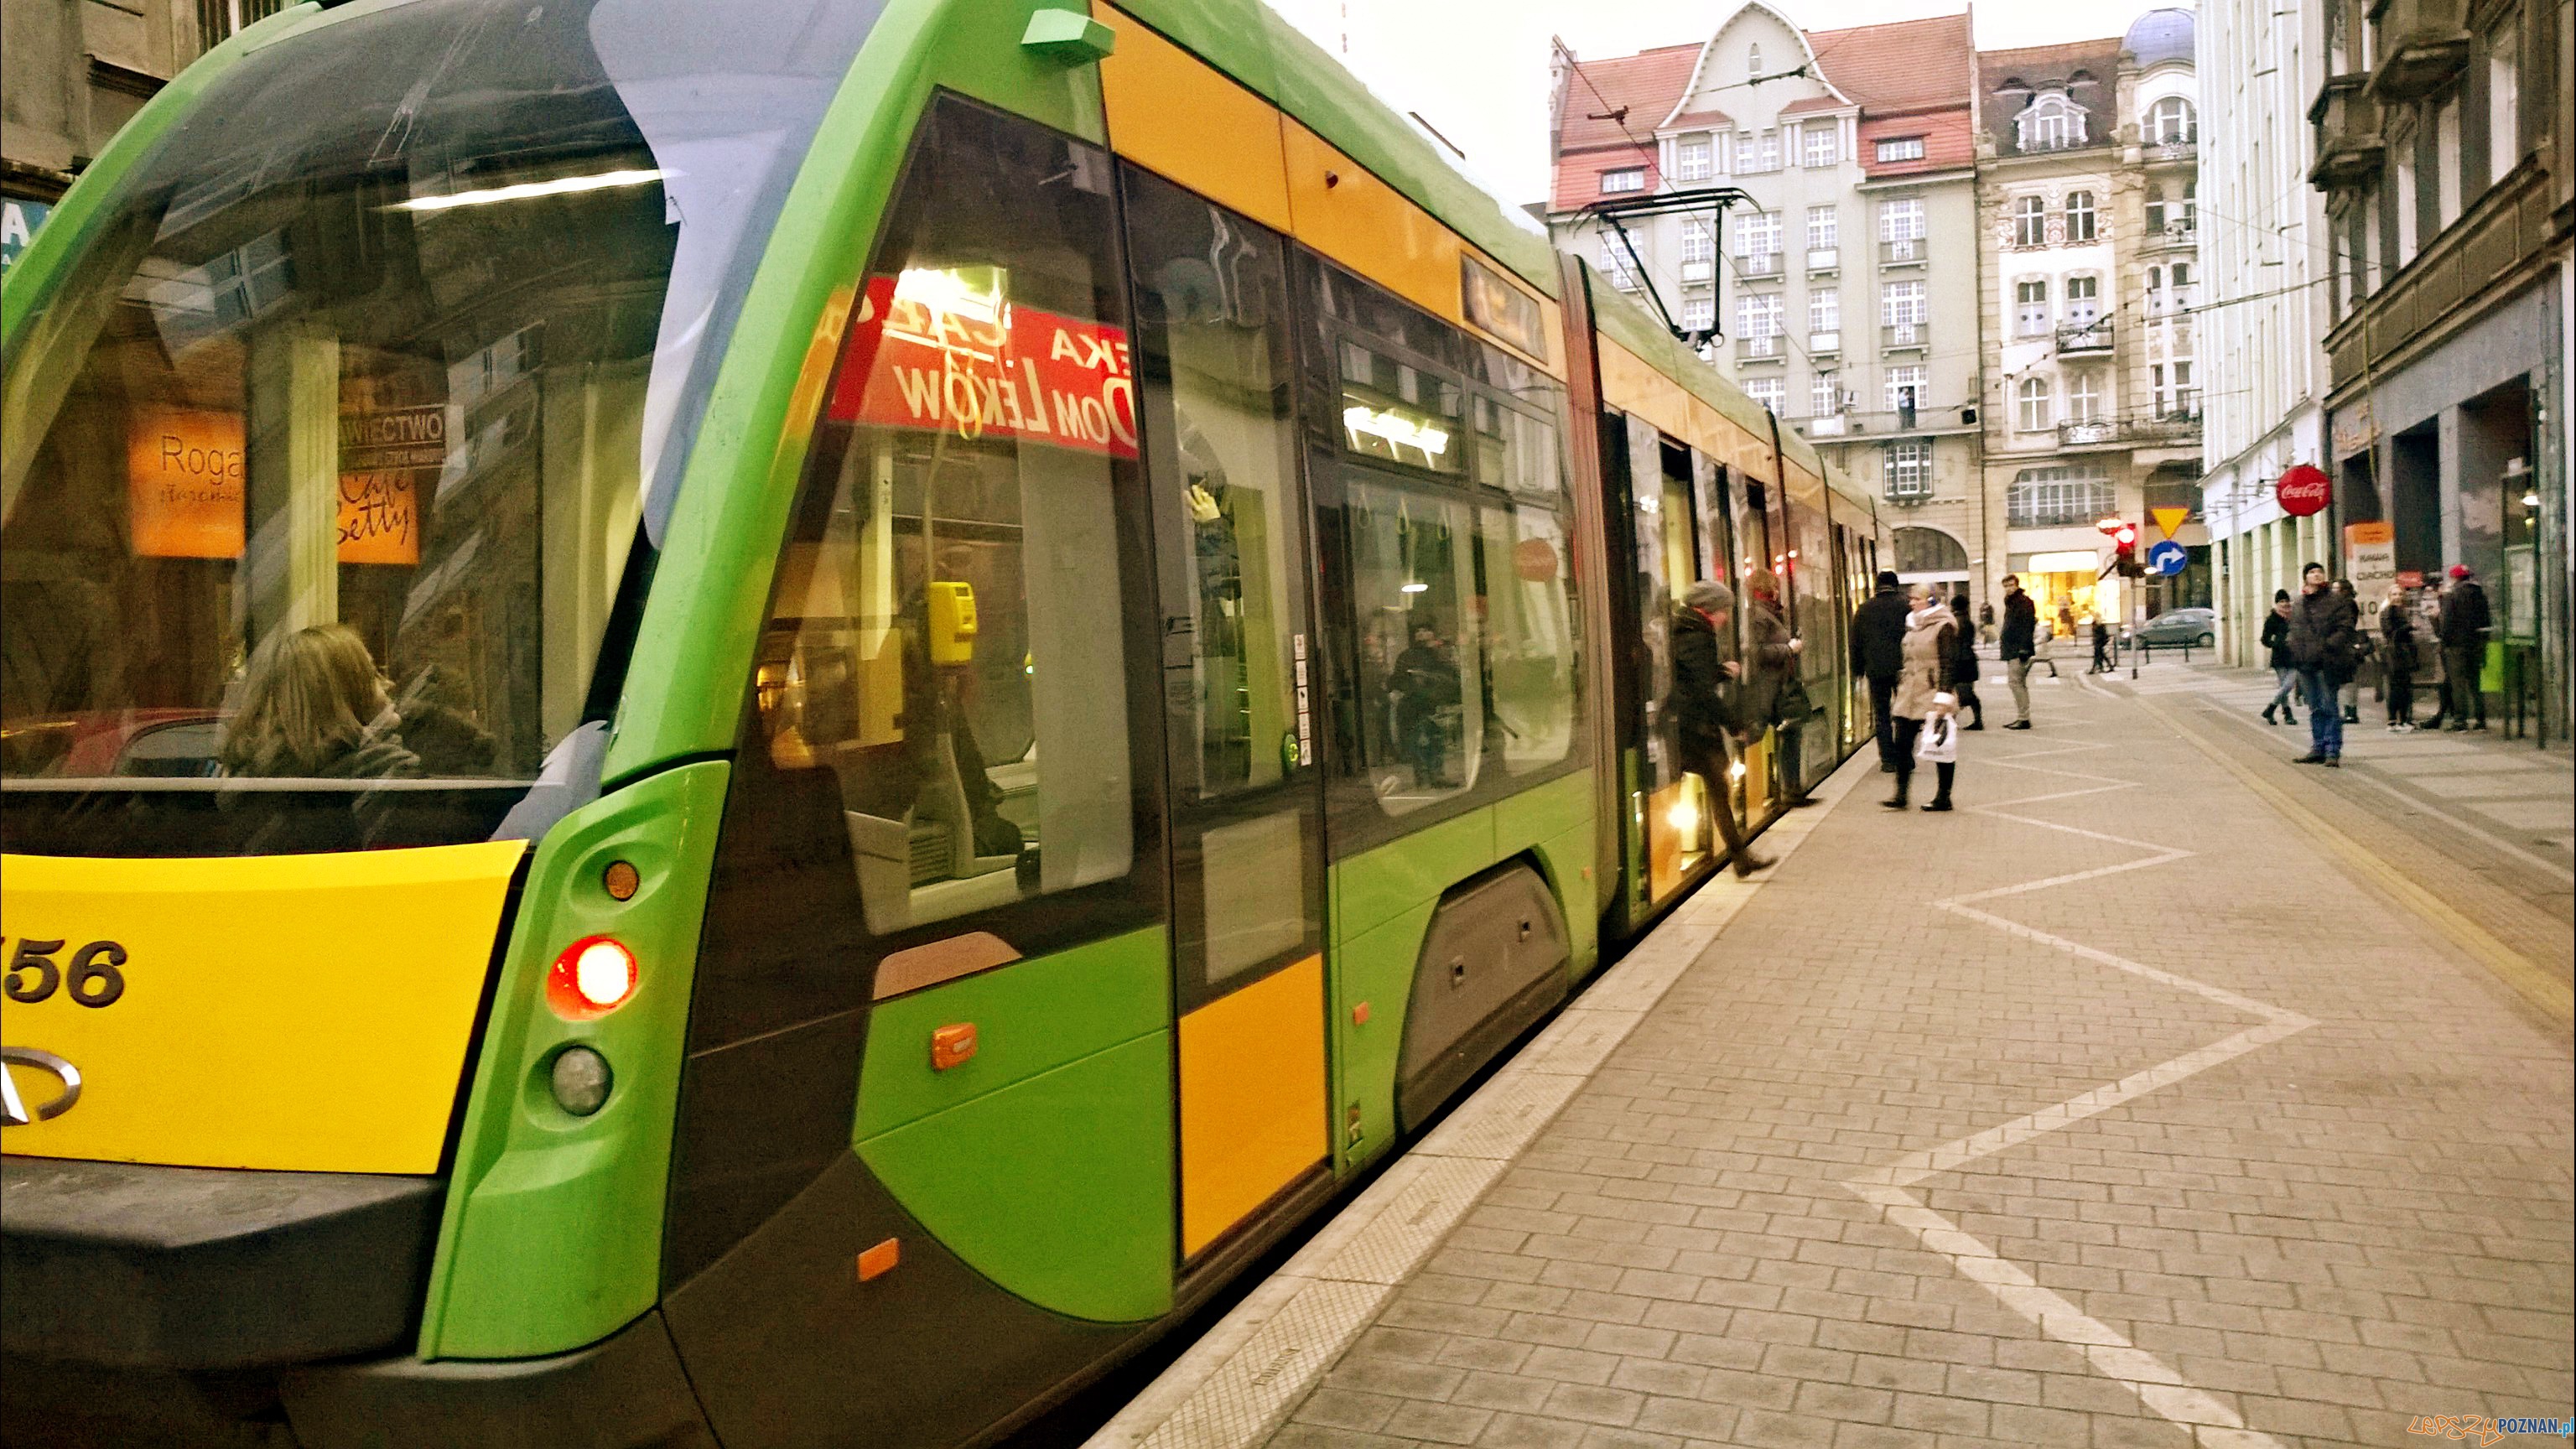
{"type": "Point", "coordinates": [1626, 178]}
{"type": "Point", "coordinates": [1692, 158]}
{"type": "Point", "coordinates": [2051, 123]}
{"type": "Point", "coordinates": [2170, 123]}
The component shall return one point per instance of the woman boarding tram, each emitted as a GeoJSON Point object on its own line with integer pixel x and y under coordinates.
{"type": "Point", "coordinates": [701, 736]}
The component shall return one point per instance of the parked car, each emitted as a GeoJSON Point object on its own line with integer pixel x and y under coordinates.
{"type": "Point", "coordinates": [2175, 628]}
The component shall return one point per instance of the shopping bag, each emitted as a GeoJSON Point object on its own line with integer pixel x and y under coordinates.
{"type": "Point", "coordinates": [1938, 744]}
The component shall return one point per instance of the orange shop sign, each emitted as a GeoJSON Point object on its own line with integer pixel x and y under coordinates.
{"type": "Point", "coordinates": [184, 483]}
{"type": "Point", "coordinates": [930, 351]}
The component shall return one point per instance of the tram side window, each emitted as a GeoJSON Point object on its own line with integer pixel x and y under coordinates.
{"type": "Point", "coordinates": [1530, 628]}
{"type": "Point", "coordinates": [946, 636]}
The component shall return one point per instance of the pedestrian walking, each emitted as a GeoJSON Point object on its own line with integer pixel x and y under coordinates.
{"type": "Point", "coordinates": [2465, 622]}
{"type": "Point", "coordinates": [1923, 694]}
{"type": "Point", "coordinates": [2285, 669]}
{"type": "Point", "coordinates": [1773, 695]}
{"type": "Point", "coordinates": [1706, 706]}
{"type": "Point", "coordinates": [1878, 655]}
{"type": "Point", "coordinates": [2363, 649]}
{"type": "Point", "coordinates": [2101, 646]}
{"type": "Point", "coordinates": [2322, 627]}
{"type": "Point", "coordinates": [2019, 645]}
{"type": "Point", "coordinates": [2397, 638]}
{"type": "Point", "coordinates": [1964, 664]}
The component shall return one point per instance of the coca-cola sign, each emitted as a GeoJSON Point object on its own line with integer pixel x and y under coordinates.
{"type": "Point", "coordinates": [2304, 489]}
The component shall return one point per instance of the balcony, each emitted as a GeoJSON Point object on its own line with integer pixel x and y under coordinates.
{"type": "Point", "coordinates": [2346, 121]}
{"type": "Point", "coordinates": [1824, 344]}
{"type": "Point", "coordinates": [2421, 45]}
{"type": "Point", "coordinates": [2178, 233]}
{"type": "Point", "coordinates": [2086, 432]}
{"type": "Point", "coordinates": [1898, 336]}
{"type": "Point", "coordinates": [1833, 425]}
{"type": "Point", "coordinates": [1760, 264]}
{"type": "Point", "coordinates": [2081, 339]}
{"type": "Point", "coordinates": [1824, 261]}
{"type": "Point", "coordinates": [1758, 349]}
{"type": "Point", "coordinates": [1699, 271]}
{"type": "Point", "coordinates": [1911, 251]}
{"type": "Point", "coordinates": [2166, 430]}
{"type": "Point", "coordinates": [2180, 146]}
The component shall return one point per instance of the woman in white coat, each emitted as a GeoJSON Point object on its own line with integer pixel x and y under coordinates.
{"type": "Point", "coordinates": [1924, 692]}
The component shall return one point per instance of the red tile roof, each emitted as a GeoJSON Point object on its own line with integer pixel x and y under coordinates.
{"type": "Point", "coordinates": [1919, 69]}
{"type": "Point", "coordinates": [2037, 65]}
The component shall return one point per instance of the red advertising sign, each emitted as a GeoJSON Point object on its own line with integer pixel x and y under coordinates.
{"type": "Point", "coordinates": [928, 351]}
{"type": "Point", "coordinates": [2410, 578]}
{"type": "Point", "coordinates": [2304, 489]}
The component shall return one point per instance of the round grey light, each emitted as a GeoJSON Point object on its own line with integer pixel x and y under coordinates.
{"type": "Point", "coordinates": [580, 1080]}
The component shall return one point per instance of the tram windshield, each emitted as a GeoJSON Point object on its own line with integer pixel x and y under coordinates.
{"type": "Point", "coordinates": [334, 453]}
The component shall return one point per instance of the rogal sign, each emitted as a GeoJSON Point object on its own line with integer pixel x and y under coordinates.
{"type": "Point", "coordinates": [2304, 489]}
{"type": "Point", "coordinates": [932, 350]}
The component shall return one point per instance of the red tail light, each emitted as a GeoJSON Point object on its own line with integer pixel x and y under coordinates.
{"type": "Point", "coordinates": [593, 977]}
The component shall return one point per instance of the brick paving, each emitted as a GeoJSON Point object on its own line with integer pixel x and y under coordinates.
{"type": "Point", "coordinates": [2207, 1144]}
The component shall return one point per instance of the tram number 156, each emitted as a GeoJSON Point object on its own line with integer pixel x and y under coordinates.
{"type": "Point", "coordinates": [91, 975]}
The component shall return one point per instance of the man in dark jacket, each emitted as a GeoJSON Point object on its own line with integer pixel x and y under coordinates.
{"type": "Point", "coordinates": [1878, 655]}
{"type": "Point", "coordinates": [1706, 708]}
{"type": "Point", "coordinates": [2019, 645]}
{"type": "Point", "coordinates": [2324, 637]}
{"type": "Point", "coordinates": [2465, 622]}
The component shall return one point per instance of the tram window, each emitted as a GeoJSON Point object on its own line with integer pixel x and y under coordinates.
{"type": "Point", "coordinates": [1530, 633]}
{"type": "Point", "coordinates": [946, 633]}
{"type": "Point", "coordinates": [1425, 700]}
{"type": "Point", "coordinates": [1398, 413]}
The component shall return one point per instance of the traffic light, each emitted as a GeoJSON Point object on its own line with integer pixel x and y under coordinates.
{"type": "Point", "coordinates": [2124, 551]}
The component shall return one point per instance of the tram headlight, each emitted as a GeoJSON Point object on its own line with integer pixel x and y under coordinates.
{"type": "Point", "coordinates": [593, 977]}
{"type": "Point", "coordinates": [580, 1080]}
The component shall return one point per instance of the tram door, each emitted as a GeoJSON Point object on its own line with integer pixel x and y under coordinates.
{"type": "Point", "coordinates": [1670, 552]}
{"type": "Point", "coordinates": [1239, 660]}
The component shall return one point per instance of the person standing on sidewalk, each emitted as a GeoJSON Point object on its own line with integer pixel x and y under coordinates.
{"type": "Point", "coordinates": [1878, 655]}
{"type": "Point", "coordinates": [2322, 627]}
{"type": "Point", "coordinates": [1707, 700]}
{"type": "Point", "coordinates": [1922, 694]}
{"type": "Point", "coordinates": [2465, 622]}
{"type": "Point", "coordinates": [2397, 647]}
{"type": "Point", "coordinates": [2019, 645]}
{"type": "Point", "coordinates": [2285, 670]}
{"type": "Point", "coordinates": [1964, 664]}
{"type": "Point", "coordinates": [1772, 693]}
{"type": "Point", "coordinates": [2350, 696]}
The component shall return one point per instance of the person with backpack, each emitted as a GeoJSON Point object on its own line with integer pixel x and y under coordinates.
{"type": "Point", "coordinates": [2465, 622]}
{"type": "Point", "coordinates": [1707, 706]}
{"type": "Point", "coordinates": [2323, 627]}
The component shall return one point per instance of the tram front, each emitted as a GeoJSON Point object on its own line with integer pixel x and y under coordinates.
{"type": "Point", "coordinates": [347, 403]}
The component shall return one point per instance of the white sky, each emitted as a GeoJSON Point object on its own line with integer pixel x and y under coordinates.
{"type": "Point", "coordinates": [1477, 69]}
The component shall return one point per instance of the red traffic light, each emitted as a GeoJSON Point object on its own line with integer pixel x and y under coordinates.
{"type": "Point", "coordinates": [2126, 537]}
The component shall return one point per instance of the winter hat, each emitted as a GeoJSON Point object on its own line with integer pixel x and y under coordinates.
{"type": "Point", "coordinates": [1708, 596]}
{"type": "Point", "coordinates": [2459, 571]}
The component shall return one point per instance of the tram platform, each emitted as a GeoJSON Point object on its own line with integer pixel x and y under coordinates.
{"type": "Point", "coordinates": [2165, 1094]}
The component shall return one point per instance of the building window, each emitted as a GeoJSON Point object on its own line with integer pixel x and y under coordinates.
{"type": "Point", "coordinates": [2079, 216]}
{"type": "Point", "coordinates": [1757, 152]}
{"type": "Point", "coordinates": [2036, 416]}
{"type": "Point", "coordinates": [1699, 312]}
{"type": "Point", "coordinates": [1824, 223]}
{"type": "Point", "coordinates": [1692, 158]}
{"type": "Point", "coordinates": [1616, 264]}
{"type": "Point", "coordinates": [1906, 387]}
{"type": "Point", "coordinates": [1757, 234]}
{"type": "Point", "coordinates": [2169, 123]}
{"type": "Point", "coordinates": [2083, 398]}
{"type": "Point", "coordinates": [1821, 144]}
{"type": "Point", "coordinates": [2030, 309]}
{"type": "Point", "coordinates": [2172, 388]}
{"type": "Point", "coordinates": [2055, 498]}
{"type": "Point", "coordinates": [2401, 194]}
{"type": "Point", "coordinates": [2030, 221]}
{"type": "Point", "coordinates": [2155, 206]}
{"type": "Point", "coordinates": [1626, 178]}
{"type": "Point", "coordinates": [1825, 395]}
{"type": "Point", "coordinates": [2504, 102]}
{"type": "Point", "coordinates": [1757, 315]}
{"type": "Point", "coordinates": [1771, 392]}
{"type": "Point", "coordinates": [2190, 205]}
{"type": "Point", "coordinates": [1699, 242]}
{"type": "Point", "coordinates": [1901, 219]}
{"type": "Point", "coordinates": [1901, 148]}
{"type": "Point", "coordinates": [220, 20]}
{"type": "Point", "coordinates": [2083, 300]}
{"type": "Point", "coordinates": [1909, 468]}
{"type": "Point", "coordinates": [2050, 123]}
{"type": "Point", "coordinates": [1753, 60]}
{"type": "Point", "coordinates": [1825, 311]}
{"type": "Point", "coordinates": [1900, 303]}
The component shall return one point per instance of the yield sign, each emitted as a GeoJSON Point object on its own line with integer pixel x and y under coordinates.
{"type": "Point", "coordinates": [2170, 519]}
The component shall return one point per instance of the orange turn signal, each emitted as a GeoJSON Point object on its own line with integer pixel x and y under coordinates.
{"type": "Point", "coordinates": [593, 977]}
{"type": "Point", "coordinates": [878, 1261]}
{"type": "Point", "coordinates": [952, 1044]}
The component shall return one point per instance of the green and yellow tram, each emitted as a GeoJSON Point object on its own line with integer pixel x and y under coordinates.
{"type": "Point", "coordinates": [767, 723]}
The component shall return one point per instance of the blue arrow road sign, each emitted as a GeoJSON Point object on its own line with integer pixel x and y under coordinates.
{"type": "Point", "coordinates": [2168, 557]}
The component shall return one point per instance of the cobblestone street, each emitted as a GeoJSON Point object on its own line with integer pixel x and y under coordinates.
{"type": "Point", "coordinates": [2112, 1110]}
